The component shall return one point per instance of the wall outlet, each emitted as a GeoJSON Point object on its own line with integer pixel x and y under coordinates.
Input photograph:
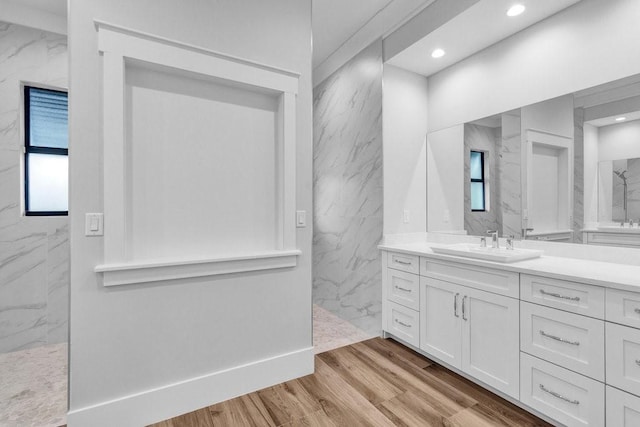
{"type": "Point", "coordinates": [301, 219]}
{"type": "Point", "coordinates": [406, 216]}
{"type": "Point", "coordinates": [94, 224]}
{"type": "Point", "coordinates": [446, 216]}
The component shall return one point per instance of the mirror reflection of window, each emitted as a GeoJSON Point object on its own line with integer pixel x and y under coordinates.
{"type": "Point", "coordinates": [476, 172]}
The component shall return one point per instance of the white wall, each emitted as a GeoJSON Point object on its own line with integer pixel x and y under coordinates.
{"type": "Point", "coordinates": [445, 178]}
{"type": "Point", "coordinates": [404, 130]}
{"type": "Point", "coordinates": [144, 353]}
{"type": "Point", "coordinates": [552, 116]}
{"type": "Point", "coordinates": [585, 45]}
{"type": "Point", "coordinates": [34, 251]}
{"type": "Point", "coordinates": [619, 141]}
{"type": "Point", "coordinates": [50, 18]}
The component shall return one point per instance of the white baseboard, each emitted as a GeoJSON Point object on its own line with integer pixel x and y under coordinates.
{"type": "Point", "coordinates": [169, 401]}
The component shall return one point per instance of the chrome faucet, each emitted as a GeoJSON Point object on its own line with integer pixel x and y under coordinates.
{"type": "Point", "coordinates": [494, 238]}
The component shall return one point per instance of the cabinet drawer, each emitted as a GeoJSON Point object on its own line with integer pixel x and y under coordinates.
{"type": "Point", "coordinates": [623, 409]}
{"type": "Point", "coordinates": [613, 239]}
{"type": "Point", "coordinates": [404, 262]}
{"type": "Point", "coordinates": [487, 279]}
{"type": "Point", "coordinates": [571, 399]}
{"type": "Point", "coordinates": [623, 307]}
{"type": "Point", "coordinates": [570, 340]}
{"type": "Point", "coordinates": [623, 358]}
{"type": "Point", "coordinates": [403, 323]}
{"type": "Point", "coordinates": [571, 296]}
{"type": "Point", "coordinates": [403, 288]}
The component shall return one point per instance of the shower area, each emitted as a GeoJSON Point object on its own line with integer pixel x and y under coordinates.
{"type": "Point", "coordinates": [34, 249]}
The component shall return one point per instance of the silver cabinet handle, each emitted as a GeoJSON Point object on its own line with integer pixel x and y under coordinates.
{"type": "Point", "coordinates": [397, 261]}
{"type": "Point", "coordinates": [455, 305]}
{"type": "Point", "coordinates": [552, 294]}
{"type": "Point", "coordinates": [558, 395]}
{"type": "Point", "coordinates": [402, 323]}
{"type": "Point", "coordinates": [637, 310]}
{"type": "Point", "coordinates": [464, 298]}
{"type": "Point", "coordinates": [400, 288]}
{"type": "Point", "coordinates": [553, 337]}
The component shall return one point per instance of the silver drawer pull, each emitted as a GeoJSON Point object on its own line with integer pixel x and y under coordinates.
{"type": "Point", "coordinates": [553, 294]}
{"type": "Point", "coordinates": [406, 325]}
{"type": "Point", "coordinates": [400, 288]}
{"type": "Point", "coordinates": [401, 262]}
{"type": "Point", "coordinates": [637, 310]}
{"type": "Point", "coordinates": [455, 305]}
{"type": "Point", "coordinates": [553, 337]}
{"type": "Point", "coordinates": [558, 395]}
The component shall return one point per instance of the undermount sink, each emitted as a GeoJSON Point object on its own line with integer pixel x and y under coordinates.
{"type": "Point", "coordinates": [471, 250]}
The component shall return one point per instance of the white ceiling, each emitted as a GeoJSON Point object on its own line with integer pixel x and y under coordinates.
{"type": "Point", "coordinates": [478, 27]}
{"type": "Point", "coordinates": [342, 28]}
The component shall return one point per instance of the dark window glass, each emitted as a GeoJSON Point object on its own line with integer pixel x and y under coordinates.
{"type": "Point", "coordinates": [476, 172]}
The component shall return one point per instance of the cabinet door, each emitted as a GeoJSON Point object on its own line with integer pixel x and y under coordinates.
{"type": "Point", "coordinates": [440, 319]}
{"type": "Point", "coordinates": [491, 340]}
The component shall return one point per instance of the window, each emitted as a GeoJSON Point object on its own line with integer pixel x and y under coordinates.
{"type": "Point", "coordinates": [46, 178]}
{"type": "Point", "coordinates": [476, 172]}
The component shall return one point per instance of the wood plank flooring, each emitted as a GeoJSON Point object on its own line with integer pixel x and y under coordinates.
{"type": "Point", "coordinates": [372, 383]}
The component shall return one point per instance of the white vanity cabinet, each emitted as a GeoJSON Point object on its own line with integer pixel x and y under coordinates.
{"type": "Point", "coordinates": [472, 330]}
{"type": "Point", "coordinates": [401, 296]}
{"type": "Point", "coordinates": [563, 349]}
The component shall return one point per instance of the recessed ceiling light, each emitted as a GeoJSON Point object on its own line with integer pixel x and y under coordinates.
{"type": "Point", "coordinates": [515, 10]}
{"type": "Point", "coordinates": [437, 53]}
{"type": "Point", "coordinates": [620, 119]}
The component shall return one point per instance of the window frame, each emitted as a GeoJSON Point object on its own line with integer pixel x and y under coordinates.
{"type": "Point", "coordinates": [480, 180]}
{"type": "Point", "coordinates": [30, 149]}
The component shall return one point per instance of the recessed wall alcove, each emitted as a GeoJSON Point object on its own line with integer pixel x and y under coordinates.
{"type": "Point", "coordinates": [199, 149]}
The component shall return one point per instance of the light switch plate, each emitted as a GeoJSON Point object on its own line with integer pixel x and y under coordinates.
{"type": "Point", "coordinates": [301, 219]}
{"type": "Point", "coordinates": [406, 216]}
{"type": "Point", "coordinates": [94, 224]}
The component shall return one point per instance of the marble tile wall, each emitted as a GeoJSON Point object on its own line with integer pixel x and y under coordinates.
{"type": "Point", "coordinates": [34, 251]}
{"type": "Point", "coordinates": [509, 176]}
{"type": "Point", "coordinates": [347, 188]}
{"type": "Point", "coordinates": [578, 174]}
{"type": "Point", "coordinates": [486, 139]}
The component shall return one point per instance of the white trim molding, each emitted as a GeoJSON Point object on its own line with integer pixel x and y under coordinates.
{"type": "Point", "coordinates": [165, 402]}
{"type": "Point", "coordinates": [145, 272]}
{"type": "Point", "coordinates": [120, 47]}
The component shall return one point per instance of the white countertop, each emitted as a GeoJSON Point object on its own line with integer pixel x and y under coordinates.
{"type": "Point", "coordinates": [607, 274]}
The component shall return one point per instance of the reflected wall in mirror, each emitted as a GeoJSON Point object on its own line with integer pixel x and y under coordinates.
{"type": "Point", "coordinates": [619, 191]}
{"type": "Point", "coordinates": [548, 169]}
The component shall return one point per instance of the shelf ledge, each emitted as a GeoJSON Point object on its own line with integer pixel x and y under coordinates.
{"type": "Point", "coordinates": [156, 271]}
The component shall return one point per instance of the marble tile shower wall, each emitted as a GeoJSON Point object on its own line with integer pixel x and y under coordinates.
{"type": "Point", "coordinates": [578, 174]}
{"type": "Point", "coordinates": [488, 140]}
{"type": "Point", "coordinates": [34, 252]}
{"type": "Point", "coordinates": [347, 162]}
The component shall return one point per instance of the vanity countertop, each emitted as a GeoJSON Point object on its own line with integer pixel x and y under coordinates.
{"type": "Point", "coordinates": [607, 274]}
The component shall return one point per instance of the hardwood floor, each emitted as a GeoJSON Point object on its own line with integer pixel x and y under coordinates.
{"type": "Point", "coordinates": [372, 383]}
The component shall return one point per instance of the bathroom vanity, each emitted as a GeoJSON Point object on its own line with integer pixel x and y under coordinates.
{"type": "Point", "coordinates": [557, 336]}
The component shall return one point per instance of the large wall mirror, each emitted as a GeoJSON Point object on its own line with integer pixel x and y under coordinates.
{"type": "Point", "coordinates": [563, 170]}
